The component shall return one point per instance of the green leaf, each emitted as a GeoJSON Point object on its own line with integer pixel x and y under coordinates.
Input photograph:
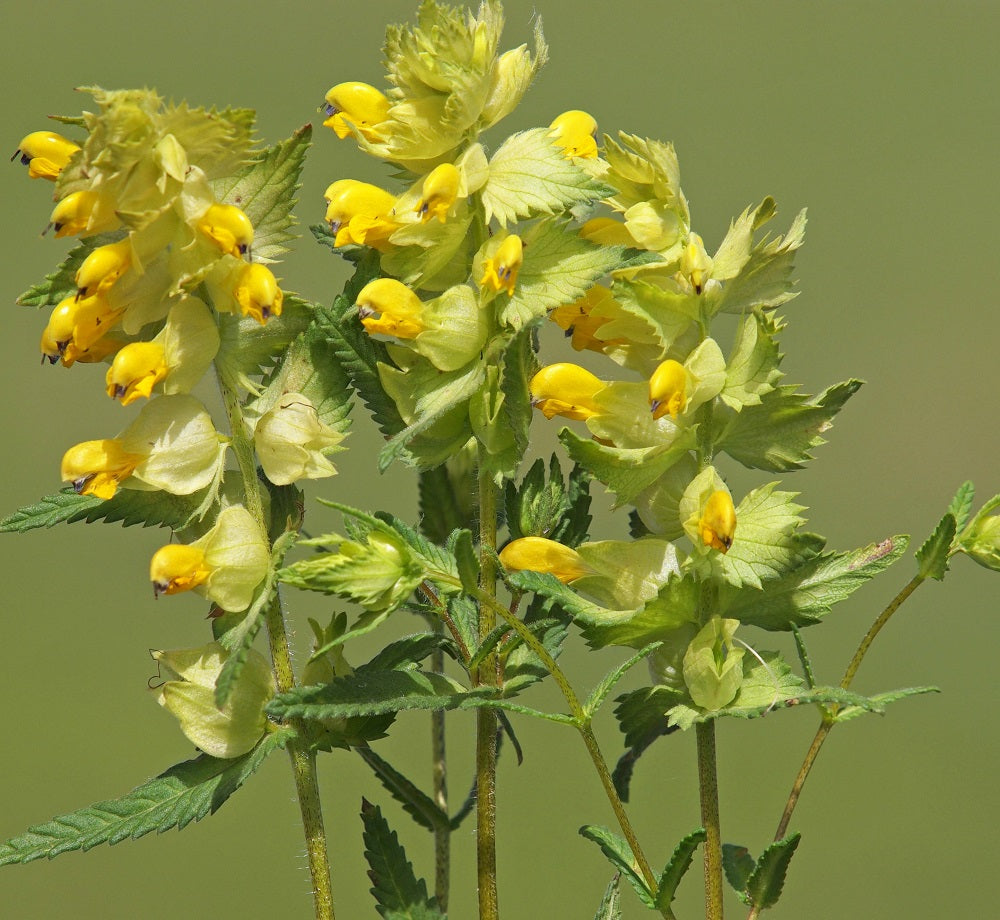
{"type": "Point", "coordinates": [468, 561]}
{"type": "Point", "coordinates": [529, 177]}
{"type": "Point", "coordinates": [407, 652]}
{"type": "Point", "coordinates": [626, 471]}
{"type": "Point", "coordinates": [129, 506]}
{"type": "Point", "coordinates": [519, 366]}
{"type": "Point", "coordinates": [247, 349]}
{"type": "Point", "coordinates": [374, 693]}
{"type": "Point", "coordinates": [399, 895]}
{"type": "Point", "coordinates": [932, 557]}
{"type": "Point", "coordinates": [610, 908]}
{"type": "Point", "coordinates": [574, 525]}
{"type": "Point", "coordinates": [675, 869]}
{"type": "Point", "coordinates": [444, 504]}
{"type": "Point", "coordinates": [559, 266]}
{"type": "Point", "coordinates": [752, 368]}
{"type": "Point", "coordinates": [804, 659]}
{"type": "Point", "coordinates": [522, 666]}
{"type": "Point", "coordinates": [186, 792]}
{"type": "Point", "coordinates": [768, 877]}
{"type": "Point", "coordinates": [608, 682]}
{"type": "Point", "coordinates": [806, 594]}
{"type": "Point", "coordinates": [738, 865]}
{"type": "Point", "coordinates": [879, 701]}
{"type": "Point", "coordinates": [61, 283]}
{"type": "Point", "coordinates": [416, 803]}
{"type": "Point", "coordinates": [779, 434]}
{"type": "Point", "coordinates": [265, 190]}
{"type": "Point", "coordinates": [619, 853]}
{"type": "Point", "coordinates": [961, 504]}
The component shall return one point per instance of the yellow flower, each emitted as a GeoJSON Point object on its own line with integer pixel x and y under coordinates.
{"type": "Point", "coordinates": [103, 267]}
{"type": "Point", "coordinates": [360, 213]}
{"type": "Point", "coordinates": [718, 521]}
{"type": "Point", "coordinates": [97, 467]}
{"type": "Point", "coordinates": [501, 269]}
{"type": "Point", "coordinates": [228, 228]}
{"type": "Point", "coordinates": [398, 308]}
{"type": "Point", "coordinates": [177, 567]}
{"type": "Point", "coordinates": [357, 104]}
{"type": "Point", "coordinates": [538, 554]}
{"type": "Point", "coordinates": [225, 565]}
{"type": "Point", "coordinates": [439, 193]}
{"type": "Point", "coordinates": [137, 368]}
{"type": "Point", "coordinates": [76, 326]}
{"type": "Point", "coordinates": [581, 324]}
{"type": "Point", "coordinates": [258, 293]}
{"type": "Point", "coordinates": [84, 212]}
{"type": "Point", "coordinates": [606, 231]}
{"type": "Point", "coordinates": [567, 390]}
{"type": "Point", "coordinates": [668, 389]}
{"type": "Point", "coordinates": [575, 132]}
{"type": "Point", "coordinates": [45, 153]}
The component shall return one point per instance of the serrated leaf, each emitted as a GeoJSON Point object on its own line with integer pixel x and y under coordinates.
{"type": "Point", "coordinates": [559, 266]}
{"type": "Point", "coordinates": [768, 877]}
{"type": "Point", "coordinates": [738, 865]}
{"type": "Point", "coordinates": [626, 471]}
{"type": "Point", "coordinates": [675, 869]}
{"type": "Point", "coordinates": [467, 560]}
{"type": "Point", "coordinates": [399, 895]}
{"type": "Point", "coordinates": [416, 803]}
{"type": "Point", "coordinates": [961, 504]}
{"type": "Point", "coordinates": [877, 702]}
{"type": "Point", "coordinates": [610, 907]}
{"type": "Point", "coordinates": [186, 792]}
{"type": "Point", "coordinates": [932, 557]}
{"type": "Point", "coordinates": [128, 506]}
{"type": "Point", "coordinates": [574, 526]}
{"type": "Point", "coordinates": [806, 594]}
{"type": "Point", "coordinates": [522, 667]}
{"type": "Point", "coordinates": [608, 682]}
{"type": "Point", "coordinates": [779, 434]}
{"type": "Point", "coordinates": [443, 508]}
{"type": "Point", "coordinates": [519, 366]}
{"type": "Point", "coordinates": [406, 652]}
{"type": "Point", "coordinates": [265, 190]}
{"type": "Point", "coordinates": [529, 177]}
{"type": "Point", "coordinates": [374, 693]}
{"type": "Point", "coordinates": [752, 368]}
{"type": "Point", "coordinates": [619, 854]}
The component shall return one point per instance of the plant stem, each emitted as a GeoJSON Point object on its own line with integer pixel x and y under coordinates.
{"type": "Point", "coordinates": [582, 723]}
{"type": "Point", "coordinates": [303, 760]}
{"type": "Point", "coordinates": [709, 789]}
{"type": "Point", "coordinates": [828, 718]}
{"type": "Point", "coordinates": [439, 775]}
{"type": "Point", "coordinates": [486, 720]}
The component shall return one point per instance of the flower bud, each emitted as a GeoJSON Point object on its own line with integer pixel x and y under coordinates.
{"type": "Point", "coordinates": [357, 104]}
{"type": "Point", "coordinates": [981, 538]}
{"type": "Point", "coordinates": [137, 368]}
{"type": "Point", "coordinates": [575, 132]}
{"type": "Point", "coordinates": [713, 665]}
{"type": "Point", "coordinates": [696, 264]}
{"type": "Point", "coordinates": [189, 694]}
{"type": "Point", "coordinates": [45, 153]}
{"type": "Point", "coordinates": [567, 390]}
{"type": "Point", "coordinates": [97, 467]}
{"type": "Point", "coordinates": [360, 213]}
{"type": "Point", "coordinates": [257, 292]}
{"type": "Point", "coordinates": [718, 521]}
{"type": "Point", "coordinates": [439, 193]}
{"type": "Point", "coordinates": [538, 554]}
{"type": "Point", "coordinates": [500, 270]}
{"type": "Point", "coordinates": [668, 389]}
{"type": "Point", "coordinates": [398, 308]}
{"type": "Point", "coordinates": [225, 565]}
{"type": "Point", "coordinates": [228, 228]}
{"type": "Point", "coordinates": [103, 267]}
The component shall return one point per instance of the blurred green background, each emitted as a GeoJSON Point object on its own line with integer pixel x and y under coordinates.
{"type": "Point", "coordinates": [882, 118]}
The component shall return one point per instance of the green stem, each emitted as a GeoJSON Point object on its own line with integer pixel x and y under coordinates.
{"type": "Point", "coordinates": [303, 760]}
{"type": "Point", "coordinates": [486, 719]}
{"type": "Point", "coordinates": [829, 716]}
{"type": "Point", "coordinates": [582, 723]}
{"type": "Point", "coordinates": [709, 788]}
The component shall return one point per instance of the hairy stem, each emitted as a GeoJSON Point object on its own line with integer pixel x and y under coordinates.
{"type": "Point", "coordinates": [303, 760]}
{"type": "Point", "coordinates": [486, 720]}
{"type": "Point", "coordinates": [709, 789]}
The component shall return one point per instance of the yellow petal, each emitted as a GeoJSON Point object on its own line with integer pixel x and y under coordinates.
{"type": "Point", "coordinates": [668, 389]}
{"type": "Point", "coordinates": [575, 132]}
{"type": "Point", "coordinates": [97, 467]}
{"type": "Point", "coordinates": [359, 104]}
{"type": "Point", "coordinates": [439, 192]}
{"type": "Point", "coordinates": [103, 267]}
{"type": "Point", "coordinates": [501, 269]}
{"type": "Point", "coordinates": [398, 307]}
{"type": "Point", "coordinates": [567, 390]}
{"type": "Point", "coordinates": [228, 228]}
{"type": "Point", "coordinates": [137, 368]}
{"type": "Point", "coordinates": [257, 292]}
{"type": "Point", "coordinates": [45, 153]}
{"type": "Point", "coordinates": [718, 521]}
{"type": "Point", "coordinates": [538, 554]}
{"type": "Point", "coordinates": [176, 567]}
